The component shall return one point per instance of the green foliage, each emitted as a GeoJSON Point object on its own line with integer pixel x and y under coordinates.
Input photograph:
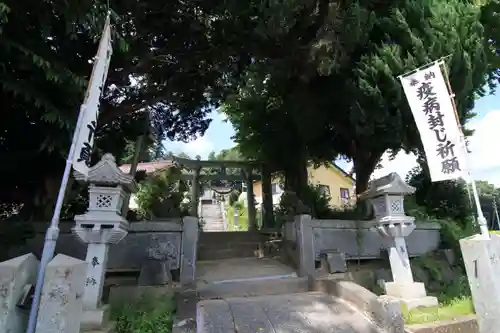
{"type": "Point", "coordinates": [452, 231]}
{"type": "Point", "coordinates": [145, 316]}
{"type": "Point", "coordinates": [447, 282]}
{"type": "Point", "coordinates": [458, 307]}
{"type": "Point", "coordinates": [446, 199]}
{"type": "Point", "coordinates": [242, 223]}
{"type": "Point", "coordinates": [316, 203]}
{"type": "Point", "coordinates": [356, 50]}
{"type": "Point", "coordinates": [46, 48]}
{"type": "Point", "coordinates": [162, 195]}
{"type": "Point", "coordinates": [13, 233]}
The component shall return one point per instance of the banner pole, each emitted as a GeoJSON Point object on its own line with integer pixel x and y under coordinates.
{"type": "Point", "coordinates": [481, 220]}
{"type": "Point", "coordinates": [496, 213]}
{"type": "Point", "coordinates": [423, 66]}
{"type": "Point", "coordinates": [53, 231]}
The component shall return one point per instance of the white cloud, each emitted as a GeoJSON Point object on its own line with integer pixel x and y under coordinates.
{"type": "Point", "coordinates": [485, 142]}
{"type": "Point", "coordinates": [201, 146]}
{"type": "Point", "coordinates": [484, 159]}
{"type": "Point", "coordinates": [402, 164]}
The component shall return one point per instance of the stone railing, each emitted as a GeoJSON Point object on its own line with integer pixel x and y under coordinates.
{"type": "Point", "coordinates": [360, 239]}
{"type": "Point", "coordinates": [130, 253]}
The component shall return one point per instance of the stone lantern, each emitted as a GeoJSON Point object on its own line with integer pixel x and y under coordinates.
{"type": "Point", "coordinates": [386, 196]}
{"type": "Point", "coordinates": [99, 227]}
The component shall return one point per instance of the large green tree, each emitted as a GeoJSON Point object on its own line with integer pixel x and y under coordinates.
{"type": "Point", "coordinates": [333, 90]}
{"type": "Point", "coordinates": [172, 62]}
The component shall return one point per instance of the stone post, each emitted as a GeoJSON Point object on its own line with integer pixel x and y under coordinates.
{"type": "Point", "coordinates": [386, 196]}
{"type": "Point", "coordinates": [195, 192]}
{"type": "Point", "coordinates": [252, 222]}
{"type": "Point", "coordinates": [16, 276]}
{"type": "Point", "coordinates": [305, 245]}
{"type": "Point", "coordinates": [99, 227]}
{"type": "Point", "coordinates": [61, 301]}
{"type": "Point", "coordinates": [189, 246]}
{"type": "Point", "coordinates": [235, 218]}
{"type": "Point", "coordinates": [482, 264]}
{"type": "Point", "coordinates": [267, 199]}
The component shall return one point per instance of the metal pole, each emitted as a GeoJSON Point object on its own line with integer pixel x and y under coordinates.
{"type": "Point", "coordinates": [496, 212]}
{"type": "Point", "coordinates": [483, 226]}
{"type": "Point", "coordinates": [53, 230]}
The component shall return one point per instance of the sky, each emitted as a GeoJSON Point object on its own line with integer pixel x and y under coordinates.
{"type": "Point", "coordinates": [485, 144]}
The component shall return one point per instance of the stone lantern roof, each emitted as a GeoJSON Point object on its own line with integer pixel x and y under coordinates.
{"type": "Point", "coordinates": [392, 184]}
{"type": "Point", "coordinates": [107, 173]}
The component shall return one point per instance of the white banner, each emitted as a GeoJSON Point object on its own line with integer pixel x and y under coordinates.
{"type": "Point", "coordinates": [432, 109]}
{"type": "Point", "coordinates": [87, 125]}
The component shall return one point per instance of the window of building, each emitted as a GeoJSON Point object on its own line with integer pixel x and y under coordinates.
{"type": "Point", "coordinates": [324, 189]}
{"type": "Point", "coordinates": [344, 194]}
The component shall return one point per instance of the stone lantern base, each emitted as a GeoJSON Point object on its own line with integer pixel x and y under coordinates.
{"type": "Point", "coordinates": [95, 319]}
{"type": "Point", "coordinates": [411, 294]}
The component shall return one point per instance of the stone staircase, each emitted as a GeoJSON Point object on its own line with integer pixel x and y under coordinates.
{"type": "Point", "coordinates": [226, 245]}
{"type": "Point", "coordinates": [211, 214]}
{"type": "Point", "coordinates": [270, 303]}
{"type": "Point", "coordinates": [239, 290]}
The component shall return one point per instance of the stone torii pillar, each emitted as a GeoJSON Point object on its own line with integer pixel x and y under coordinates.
{"type": "Point", "coordinates": [252, 221]}
{"type": "Point", "coordinates": [195, 190]}
{"type": "Point", "coordinates": [386, 196]}
{"type": "Point", "coordinates": [99, 227]}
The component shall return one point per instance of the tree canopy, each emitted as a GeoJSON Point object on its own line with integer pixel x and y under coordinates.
{"type": "Point", "coordinates": [172, 61]}
{"type": "Point", "coordinates": [300, 80]}
{"type": "Point", "coordinates": [334, 90]}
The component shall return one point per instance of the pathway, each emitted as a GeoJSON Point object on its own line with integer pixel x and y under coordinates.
{"type": "Point", "coordinates": [212, 217]}
{"type": "Point", "coordinates": [293, 313]}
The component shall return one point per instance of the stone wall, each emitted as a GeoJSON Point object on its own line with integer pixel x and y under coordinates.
{"type": "Point", "coordinates": [128, 255]}
{"type": "Point", "coordinates": [360, 240]}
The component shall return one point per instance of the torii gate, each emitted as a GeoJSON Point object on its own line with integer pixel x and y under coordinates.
{"type": "Point", "coordinates": [246, 174]}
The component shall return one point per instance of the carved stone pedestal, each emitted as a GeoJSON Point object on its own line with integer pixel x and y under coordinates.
{"type": "Point", "coordinates": [155, 273]}
{"type": "Point", "coordinates": [161, 258]}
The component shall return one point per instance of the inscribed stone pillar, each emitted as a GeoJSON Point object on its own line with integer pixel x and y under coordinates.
{"type": "Point", "coordinates": [386, 196]}
{"type": "Point", "coordinates": [267, 199]}
{"type": "Point", "coordinates": [61, 303]}
{"type": "Point", "coordinates": [482, 264]}
{"type": "Point", "coordinates": [99, 227]}
{"type": "Point", "coordinates": [15, 276]}
{"type": "Point", "coordinates": [236, 216]}
{"type": "Point", "coordinates": [189, 246]}
{"type": "Point", "coordinates": [195, 191]}
{"type": "Point", "coordinates": [305, 245]}
{"type": "Point", "coordinates": [252, 221]}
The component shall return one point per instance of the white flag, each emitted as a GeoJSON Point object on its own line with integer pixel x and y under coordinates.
{"type": "Point", "coordinates": [433, 111]}
{"type": "Point", "coordinates": [84, 139]}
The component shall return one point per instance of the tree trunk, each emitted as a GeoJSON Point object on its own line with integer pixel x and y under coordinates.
{"type": "Point", "coordinates": [296, 178]}
{"type": "Point", "coordinates": [364, 165]}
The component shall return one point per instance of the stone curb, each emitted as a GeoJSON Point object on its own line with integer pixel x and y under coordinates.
{"type": "Point", "coordinates": [185, 318]}
{"type": "Point", "coordinates": [467, 324]}
{"type": "Point", "coordinates": [381, 310]}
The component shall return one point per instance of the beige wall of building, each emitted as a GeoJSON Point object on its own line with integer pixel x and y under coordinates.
{"type": "Point", "coordinates": [339, 185]}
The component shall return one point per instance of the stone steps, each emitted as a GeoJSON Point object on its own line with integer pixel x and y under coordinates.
{"type": "Point", "coordinates": [108, 328]}
{"type": "Point", "coordinates": [305, 312]}
{"type": "Point", "coordinates": [265, 296]}
{"type": "Point", "coordinates": [229, 237]}
{"type": "Point", "coordinates": [212, 217]}
{"type": "Point", "coordinates": [253, 287]}
{"type": "Point", "coordinates": [226, 245]}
